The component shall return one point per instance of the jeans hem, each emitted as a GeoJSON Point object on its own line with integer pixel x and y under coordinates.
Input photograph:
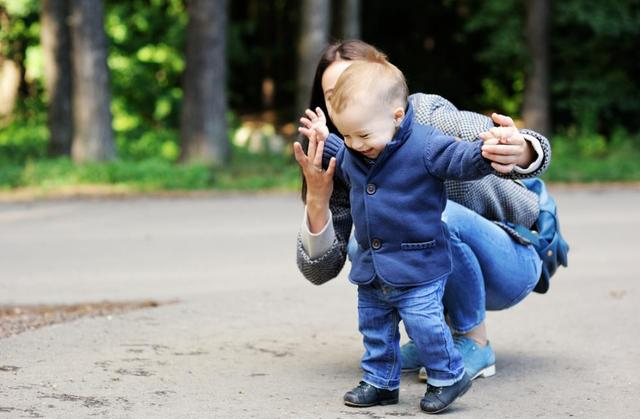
{"type": "Point", "coordinates": [443, 382]}
{"type": "Point", "coordinates": [463, 331]}
{"type": "Point", "coordinates": [381, 383]}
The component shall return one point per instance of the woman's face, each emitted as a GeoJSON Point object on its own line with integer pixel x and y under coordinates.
{"type": "Point", "coordinates": [329, 79]}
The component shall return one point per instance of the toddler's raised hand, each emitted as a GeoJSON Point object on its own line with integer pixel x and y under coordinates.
{"type": "Point", "coordinates": [505, 146]}
{"type": "Point", "coordinates": [314, 121]}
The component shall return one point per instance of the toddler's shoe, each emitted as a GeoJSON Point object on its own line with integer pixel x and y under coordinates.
{"type": "Point", "coordinates": [438, 398]}
{"type": "Point", "coordinates": [366, 395]}
{"type": "Point", "coordinates": [479, 362]}
{"type": "Point", "coordinates": [409, 357]}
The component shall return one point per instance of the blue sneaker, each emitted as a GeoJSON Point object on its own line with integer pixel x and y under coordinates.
{"type": "Point", "coordinates": [409, 357]}
{"type": "Point", "coordinates": [479, 362]}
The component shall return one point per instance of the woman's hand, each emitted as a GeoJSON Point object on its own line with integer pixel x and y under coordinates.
{"type": "Point", "coordinates": [505, 146]}
{"type": "Point", "coordinates": [319, 181]}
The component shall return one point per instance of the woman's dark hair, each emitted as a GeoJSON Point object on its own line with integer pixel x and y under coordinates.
{"type": "Point", "coordinates": [345, 50]}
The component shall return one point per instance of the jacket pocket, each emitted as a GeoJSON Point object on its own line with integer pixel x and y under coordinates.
{"type": "Point", "coordinates": [414, 246]}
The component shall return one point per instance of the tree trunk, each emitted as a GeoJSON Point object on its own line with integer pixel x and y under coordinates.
{"type": "Point", "coordinates": [350, 17]}
{"type": "Point", "coordinates": [314, 34]}
{"type": "Point", "coordinates": [535, 109]}
{"type": "Point", "coordinates": [93, 135]}
{"type": "Point", "coordinates": [203, 125]}
{"type": "Point", "coordinates": [9, 87]}
{"type": "Point", "coordinates": [56, 46]}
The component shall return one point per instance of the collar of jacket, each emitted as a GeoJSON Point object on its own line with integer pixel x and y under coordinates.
{"type": "Point", "coordinates": [399, 138]}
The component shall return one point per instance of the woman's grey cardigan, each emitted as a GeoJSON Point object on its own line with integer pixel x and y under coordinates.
{"type": "Point", "coordinates": [496, 198]}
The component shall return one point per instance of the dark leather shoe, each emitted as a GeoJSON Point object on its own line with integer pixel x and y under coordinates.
{"type": "Point", "coordinates": [365, 395]}
{"type": "Point", "coordinates": [438, 398]}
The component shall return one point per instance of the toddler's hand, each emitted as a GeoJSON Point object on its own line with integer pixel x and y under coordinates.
{"type": "Point", "coordinates": [314, 122]}
{"type": "Point", "coordinates": [504, 145]}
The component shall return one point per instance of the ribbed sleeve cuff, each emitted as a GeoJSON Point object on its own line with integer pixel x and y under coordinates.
{"type": "Point", "coordinates": [332, 146]}
{"type": "Point", "coordinates": [537, 147]}
{"type": "Point", "coordinates": [317, 244]}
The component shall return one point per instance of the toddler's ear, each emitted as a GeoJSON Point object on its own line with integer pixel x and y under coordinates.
{"type": "Point", "coordinates": [398, 116]}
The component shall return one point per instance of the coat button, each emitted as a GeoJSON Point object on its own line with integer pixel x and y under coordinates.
{"type": "Point", "coordinates": [376, 244]}
{"type": "Point", "coordinates": [371, 189]}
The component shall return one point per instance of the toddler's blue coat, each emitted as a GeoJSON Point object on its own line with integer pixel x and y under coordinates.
{"type": "Point", "coordinates": [397, 202]}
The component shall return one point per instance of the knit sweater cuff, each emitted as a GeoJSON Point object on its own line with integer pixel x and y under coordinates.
{"type": "Point", "coordinates": [332, 146]}
{"type": "Point", "coordinates": [317, 244]}
{"type": "Point", "coordinates": [537, 147]}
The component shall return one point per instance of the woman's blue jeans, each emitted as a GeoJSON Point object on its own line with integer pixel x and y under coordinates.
{"type": "Point", "coordinates": [491, 271]}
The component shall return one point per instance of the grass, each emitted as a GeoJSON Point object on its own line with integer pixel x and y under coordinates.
{"type": "Point", "coordinates": [576, 159]}
{"type": "Point", "coordinates": [152, 175]}
{"type": "Point", "coordinates": [590, 158]}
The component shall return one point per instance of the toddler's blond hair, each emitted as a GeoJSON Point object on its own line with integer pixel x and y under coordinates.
{"type": "Point", "coordinates": [370, 81]}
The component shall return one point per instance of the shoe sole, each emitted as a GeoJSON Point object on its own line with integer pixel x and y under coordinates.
{"type": "Point", "coordinates": [464, 391]}
{"type": "Point", "coordinates": [383, 402]}
{"type": "Point", "coordinates": [484, 373]}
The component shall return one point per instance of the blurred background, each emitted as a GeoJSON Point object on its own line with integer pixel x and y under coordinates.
{"type": "Point", "coordinates": [148, 95]}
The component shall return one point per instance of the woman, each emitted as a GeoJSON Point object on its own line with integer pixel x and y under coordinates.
{"type": "Point", "coordinates": [493, 268]}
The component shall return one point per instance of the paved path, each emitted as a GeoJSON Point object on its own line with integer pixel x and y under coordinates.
{"type": "Point", "coordinates": [250, 337]}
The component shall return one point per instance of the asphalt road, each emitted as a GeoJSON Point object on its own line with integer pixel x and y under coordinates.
{"type": "Point", "coordinates": [249, 337]}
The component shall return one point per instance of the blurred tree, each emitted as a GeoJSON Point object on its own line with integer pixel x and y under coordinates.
{"type": "Point", "coordinates": [56, 48]}
{"type": "Point", "coordinates": [314, 36]}
{"type": "Point", "coordinates": [9, 86]}
{"type": "Point", "coordinates": [535, 106]}
{"type": "Point", "coordinates": [18, 36]}
{"type": "Point", "coordinates": [435, 53]}
{"type": "Point", "coordinates": [146, 40]}
{"type": "Point", "coordinates": [203, 127]}
{"type": "Point", "coordinates": [596, 70]}
{"type": "Point", "coordinates": [349, 18]}
{"type": "Point", "coordinates": [93, 135]}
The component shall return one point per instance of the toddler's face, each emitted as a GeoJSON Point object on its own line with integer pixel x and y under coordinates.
{"type": "Point", "coordinates": [367, 127]}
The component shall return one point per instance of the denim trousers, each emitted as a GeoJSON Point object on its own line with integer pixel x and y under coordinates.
{"type": "Point", "coordinates": [490, 271]}
{"type": "Point", "coordinates": [380, 309]}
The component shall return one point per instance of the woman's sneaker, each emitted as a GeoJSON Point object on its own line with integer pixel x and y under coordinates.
{"type": "Point", "coordinates": [479, 361]}
{"type": "Point", "coordinates": [438, 398]}
{"type": "Point", "coordinates": [409, 357]}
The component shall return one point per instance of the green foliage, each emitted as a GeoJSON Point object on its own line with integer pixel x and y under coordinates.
{"type": "Point", "coordinates": [500, 27]}
{"type": "Point", "coordinates": [19, 28]}
{"type": "Point", "coordinates": [247, 172]}
{"type": "Point", "coordinates": [595, 64]}
{"type": "Point", "coordinates": [146, 63]}
{"type": "Point", "coordinates": [141, 144]}
{"type": "Point", "coordinates": [588, 157]}
{"type": "Point", "coordinates": [22, 141]}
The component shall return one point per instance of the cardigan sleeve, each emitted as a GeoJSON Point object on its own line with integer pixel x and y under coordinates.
{"type": "Point", "coordinates": [322, 268]}
{"type": "Point", "coordinates": [438, 112]}
{"type": "Point", "coordinates": [447, 158]}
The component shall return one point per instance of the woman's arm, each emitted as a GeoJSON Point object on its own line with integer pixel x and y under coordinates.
{"type": "Point", "coordinates": [438, 112]}
{"type": "Point", "coordinates": [326, 266]}
{"type": "Point", "coordinates": [325, 196]}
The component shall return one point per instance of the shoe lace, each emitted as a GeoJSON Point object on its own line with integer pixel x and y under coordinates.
{"type": "Point", "coordinates": [434, 389]}
{"type": "Point", "coordinates": [363, 385]}
{"type": "Point", "coordinates": [458, 340]}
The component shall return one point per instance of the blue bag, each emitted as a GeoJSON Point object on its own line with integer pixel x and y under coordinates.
{"type": "Point", "coordinates": [545, 234]}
